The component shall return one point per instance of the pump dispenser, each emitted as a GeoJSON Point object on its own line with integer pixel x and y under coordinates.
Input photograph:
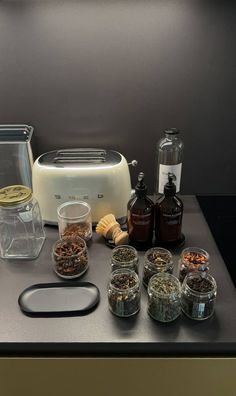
{"type": "Point", "coordinates": [169, 213]}
{"type": "Point", "coordinates": [140, 217]}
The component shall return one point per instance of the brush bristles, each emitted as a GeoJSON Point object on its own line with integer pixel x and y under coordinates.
{"type": "Point", "coordinates": [105, 222]}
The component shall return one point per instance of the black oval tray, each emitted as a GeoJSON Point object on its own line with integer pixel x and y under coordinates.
{"type": "Point", "coordinates": [59, 299]}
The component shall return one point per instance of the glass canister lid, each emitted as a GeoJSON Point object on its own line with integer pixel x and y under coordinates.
{"type": "Point", "coordinates": [13, 195]}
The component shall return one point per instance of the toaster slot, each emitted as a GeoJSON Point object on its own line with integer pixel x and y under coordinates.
{"type": "Point", "coordinates": [80, 156]}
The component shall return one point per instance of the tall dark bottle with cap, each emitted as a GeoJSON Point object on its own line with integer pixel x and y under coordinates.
{"type": "Point", "coordinates": [140, 216]}
{"type": "Point", "coordinates": [169, 158]}
{"type": "Point", "coordinates": [168, 216]}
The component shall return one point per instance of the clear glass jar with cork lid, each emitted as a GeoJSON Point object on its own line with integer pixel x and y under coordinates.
{"type": "Point", "coordinates": [21, 228]}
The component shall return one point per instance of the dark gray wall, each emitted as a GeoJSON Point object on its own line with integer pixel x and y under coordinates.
{"type": "Point", "coordinates": [114, 74]}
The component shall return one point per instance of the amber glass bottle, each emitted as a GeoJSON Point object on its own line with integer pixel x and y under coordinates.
{"type": "Point", "coordinates": [140, 216]}
{"type": "Point", "coordinates": [168, 219]}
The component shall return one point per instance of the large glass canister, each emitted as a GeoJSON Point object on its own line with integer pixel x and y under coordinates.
{"type": "Point", "coordinates": [169, 156]}
{"type": "Point", "coordinates": [21, 228]}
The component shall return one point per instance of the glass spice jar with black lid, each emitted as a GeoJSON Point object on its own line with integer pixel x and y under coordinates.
{"type": "Point", "coordinates": [198, 295]}
{"type": "Point", "coordinates": [156, 260]}
{"type": "Point", "coordinates": [193, 259]}
{"type": "Point", "coordinates": [124, 257]}
{"type": "Point", "coordinates": [164, 293]}
{"type": "Point", "coordinates": [124, 293]}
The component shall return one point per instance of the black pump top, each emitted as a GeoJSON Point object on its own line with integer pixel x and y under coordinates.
{"type": "Point", "coordinates": [170, 187]}
{"type": "Point", "coordinates": [141, 188]}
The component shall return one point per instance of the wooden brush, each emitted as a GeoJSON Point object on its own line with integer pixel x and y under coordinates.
{"type": "Point", "coordinates": [110, 229]}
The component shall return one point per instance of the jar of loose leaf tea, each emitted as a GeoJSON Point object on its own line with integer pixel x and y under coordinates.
{"type": "Point", "coordinates": [164, 293]}
{"type": "Point", "coordinates": [124, 256]}
{"type": "Point", "coordinates": [156, 260]}
{"type": "Point", "coordinates": [124, 293]}
{"type": "Point", "coordinates": [193, 259]}
{"type": "Point", "coordinates": [70, 257]}
{"type": "Point", "coordinates": [198, 295]}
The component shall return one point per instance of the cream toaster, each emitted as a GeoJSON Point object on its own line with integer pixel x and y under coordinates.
{"type": "Point", "coordinates": [99, 177]}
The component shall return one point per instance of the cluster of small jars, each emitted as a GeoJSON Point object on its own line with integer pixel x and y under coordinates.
{"type": "Point", "coordinates": [193, 292]}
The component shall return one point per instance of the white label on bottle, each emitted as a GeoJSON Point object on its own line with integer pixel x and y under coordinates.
{"type": "Point", "coordinates": [163, 176]}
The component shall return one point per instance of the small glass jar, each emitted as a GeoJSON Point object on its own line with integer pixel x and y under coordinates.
{"type": "Point", "coordinates": [164, 293]}
{"type": "Point", "coordinates": [198, 295]}
{"type": "Point", "coordinates": [156, 260]}
{"type": "Point", "coordinates": [124, 293]}
{"type": "Point", "coordinates": [124, 256]}
{"type": "Point", "coordinates": [74, 219]}
{"type": "Point", "coordinates": [70, 257]}
{"type": "Point", "coordinates": [21, 228]}
{"type": "Point", "coordinates": [193, 259]}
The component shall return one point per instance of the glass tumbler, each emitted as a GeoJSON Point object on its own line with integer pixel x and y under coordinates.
{"type": "Point", "coordinates": [74, 219]}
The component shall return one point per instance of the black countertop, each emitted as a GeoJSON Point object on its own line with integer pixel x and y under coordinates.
{"type": "Point", "coordinates": [101, 333]}
{"type": "Point", "coordinates": [220, 214]}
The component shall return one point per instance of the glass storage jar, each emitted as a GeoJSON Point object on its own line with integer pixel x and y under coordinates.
{"type": "Point", "coordinates": [164, 293]}
{"type": "Point", "coordinates": [124, 293]}
{"type": "Point", "coordinates": [124, 256]}
{"type": "Point", "coordinates": [21, 228]}
{"type": "Point", "coordinates": [156, 260]}
{"type": "Point", "coordinates": [74, 219]}
{"type": "Point", "coordinates": [70, 257]}
{"type": "Point", "coordinates": [193, 259]}
{"type": "Point", "coordinates": [198, 295]}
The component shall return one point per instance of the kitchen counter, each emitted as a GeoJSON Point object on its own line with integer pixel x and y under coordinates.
{"type": "Point", "coordinates": [101, 333]}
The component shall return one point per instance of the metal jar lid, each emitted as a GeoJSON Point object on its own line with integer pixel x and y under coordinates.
{"type": "Point", "coordinates": [13, 195]}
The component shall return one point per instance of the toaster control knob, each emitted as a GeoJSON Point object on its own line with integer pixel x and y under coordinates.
{"type": "Point", "coordinates": [133, 163]}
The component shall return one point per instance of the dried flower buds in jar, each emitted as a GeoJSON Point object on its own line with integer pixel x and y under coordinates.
{"type": "Point", "coordinates": [193, 259]}
{"type": "Point", "coordinates": [124, 256]}
{"type": "Point", "coordinates": [156, 260]}
{"type": "Point", "coordinates": [70, 257]}
{"type": "Point", "coordinates": [124, 293]}
{"type": "Point", "coordinates": [164, 292]}
{"type": "Point", "coordinates": [198, 295]}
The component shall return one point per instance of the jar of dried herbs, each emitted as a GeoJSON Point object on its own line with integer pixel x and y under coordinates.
{"type": "Point", "coordinates": [193, 259]}
{"type": "Point", "coordinates": [124, 293]}
{"type": "Point", "coordinates": [198, 295]}
{"type": "Point", "coordinates": [74, 219]}
{"type": "Point", "coordinates": [124, 256]}
{"type": "Point", "coordinates": [70, 257]}
{"type": "Point", "coordinates": [164, 293]}
{"type": "Point", "coordinates": [156, 260]}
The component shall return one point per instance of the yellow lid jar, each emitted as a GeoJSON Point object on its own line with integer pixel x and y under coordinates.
{"type": "Point", "coordinates": [21, 228]}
